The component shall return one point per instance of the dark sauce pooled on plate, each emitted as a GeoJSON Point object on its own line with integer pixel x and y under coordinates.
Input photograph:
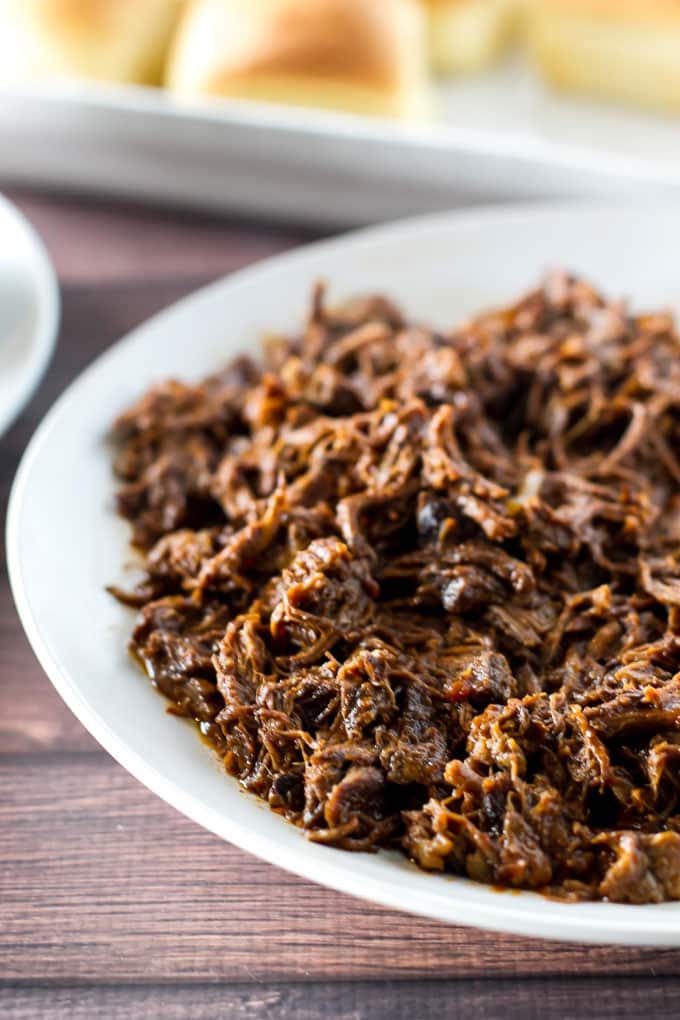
{"type": "Point", "coordinates": [423, 590]}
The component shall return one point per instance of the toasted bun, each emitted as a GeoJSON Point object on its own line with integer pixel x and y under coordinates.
{"type": "Point", "coordinates": [626, 50]}
{"type": "Point", "coordinates": [111, 40]}
{"type": "Point", "coordinates": [366, 56]}
{"type": "Point", "coordinates": [467, 35]}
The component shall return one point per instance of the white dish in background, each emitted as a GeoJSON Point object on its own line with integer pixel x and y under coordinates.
{"type": "Point", "coordinates": [65, 542]}
{"type": "Point", "coordinates": [29, 312]}
{"type": "Point", "coordinates": [497, 136]}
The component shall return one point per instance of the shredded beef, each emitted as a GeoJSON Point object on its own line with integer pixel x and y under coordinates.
{"type": "Point", "coordinates": [422, 590]}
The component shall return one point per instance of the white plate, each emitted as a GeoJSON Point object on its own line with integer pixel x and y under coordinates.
{"type": "Point", "coordinates": [499, 135]}
{"type": "Point", "coordinates": [65, 542]}
{"type": "Point", "coordinates": [29, 312]}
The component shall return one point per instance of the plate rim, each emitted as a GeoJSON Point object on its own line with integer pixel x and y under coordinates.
{"type": "Point", "coordinates": [495, 912]}
{"type": "Point", "coordinates": [46, 287]}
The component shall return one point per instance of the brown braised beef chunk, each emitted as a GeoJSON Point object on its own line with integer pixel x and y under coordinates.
{"type": "Point", "coordinates": [423, 590]}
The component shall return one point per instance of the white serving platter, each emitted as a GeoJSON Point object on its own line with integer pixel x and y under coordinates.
{"type": "Point", "coordinates": [65, 543]}
{"type": "Point", "coordinates": [497, 136]}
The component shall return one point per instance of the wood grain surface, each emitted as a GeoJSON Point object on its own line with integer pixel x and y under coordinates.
{"type": "Point", "coordinates": [112, 905]}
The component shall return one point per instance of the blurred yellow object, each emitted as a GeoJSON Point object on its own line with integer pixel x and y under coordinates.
{"type": "Point", "coordinates": [619, 49]}
{"type": "Point", "coordinates": [109, 40]}
{"type": "Point", "coordinates": [467, 35]}
{"type": "Point", "coordinates": [364, 56]}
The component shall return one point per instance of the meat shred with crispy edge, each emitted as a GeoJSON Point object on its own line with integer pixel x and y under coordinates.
{"type": "Point", "coordinates": [423, 590]}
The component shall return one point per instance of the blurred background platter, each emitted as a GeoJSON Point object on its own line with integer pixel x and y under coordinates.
{"type": "Point", "coordinates": [497, 136]}
{"type": "Point", "coordinates": [341, 112]}
{"type": "Point", "coordinates": [29, 312]}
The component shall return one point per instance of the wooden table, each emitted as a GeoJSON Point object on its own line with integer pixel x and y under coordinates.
{"type": "Point", "coordinates": [112, 905]}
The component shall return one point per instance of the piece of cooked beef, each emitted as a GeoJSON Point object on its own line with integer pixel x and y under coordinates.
{"type": "Point", "coordinates": [423, 590]}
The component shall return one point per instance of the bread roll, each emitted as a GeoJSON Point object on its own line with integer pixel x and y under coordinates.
{"type": "Point", "coordinates": [627, 50]}
{"type": "Point", "coordinates": [111, 40]}
{"type": "Point", "coordinates": [365, 56]}
{"type": "Point", "coordinates": [467, 35]}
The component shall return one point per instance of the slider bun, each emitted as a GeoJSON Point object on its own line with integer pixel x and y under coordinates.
{"type": "Point", "coordinates": [110, 40]}
{"type": "Point", "coordinates": [627, 50]}
{"type": "Point", "coordinates": [467, 35]}
{"type": "Point", "coordinates": [365, 56]}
